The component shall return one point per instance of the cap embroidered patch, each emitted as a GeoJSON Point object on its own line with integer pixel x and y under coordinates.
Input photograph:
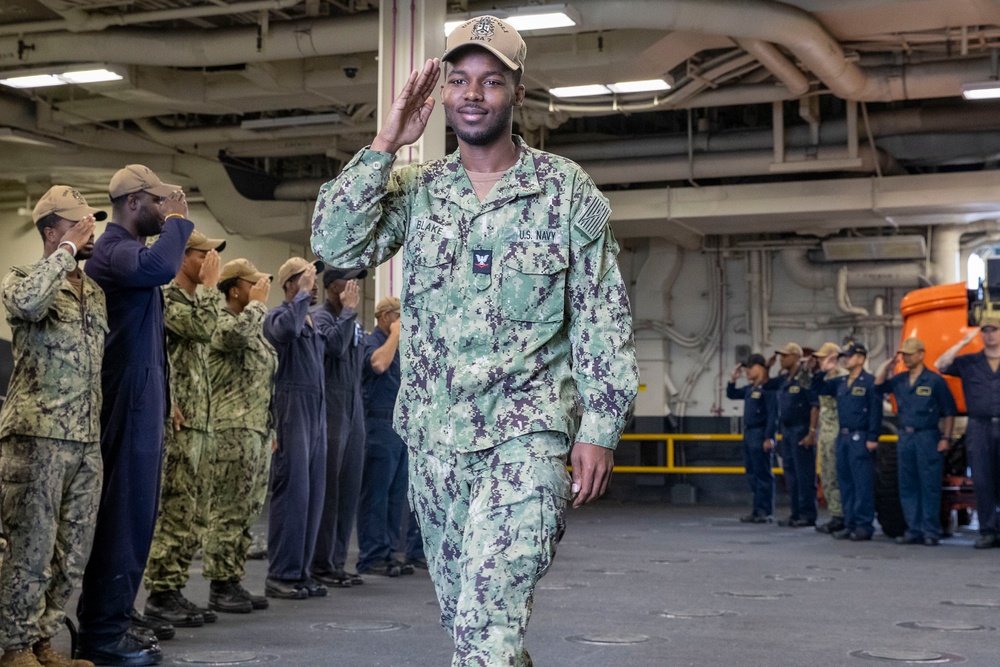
{"type": "Point", "coordinates": [482, 261]}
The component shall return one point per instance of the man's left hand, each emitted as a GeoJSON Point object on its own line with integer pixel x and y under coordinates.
{"type": "Point", "coordinates": [592, 466]}
{"type": "Point", "coordinates": [871, 445]}
{"type": "Point", "coordinates": [943, 444]}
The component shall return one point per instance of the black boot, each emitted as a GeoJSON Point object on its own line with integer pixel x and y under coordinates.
{"type": "Point", "coordinates": [257, 601]}
{"type": "Point", "coordinates": [224, 597]}
{"type": "Point", "coordinates": [167, 606]}
{"type": "Point", "coordinates": [150, 629]}
{"type": "Point", "coordinates": [206, 613]}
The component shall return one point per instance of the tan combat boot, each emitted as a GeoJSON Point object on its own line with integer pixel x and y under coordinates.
{"type": "Point", "coordinates": [49, 657]}
{"type": "Point", "coordinates": [22, 658]}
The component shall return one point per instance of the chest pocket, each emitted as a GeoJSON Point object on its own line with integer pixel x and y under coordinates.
{"type": "Point", "coordinates": [429, 258]}
{"type": "Point", "coordinates": [533, 287]}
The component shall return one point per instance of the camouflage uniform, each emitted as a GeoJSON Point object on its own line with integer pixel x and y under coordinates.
{"type": "Point", "coordinates": [514, 313]}
{"type": "Point", "coordinates": [50, 455]}
{"type": "Point", "coordinates": [829, 429]}
{"type": "Point", "coordinates": [242, 364]}
{"type": "Point", "coordinates": [190, 322]}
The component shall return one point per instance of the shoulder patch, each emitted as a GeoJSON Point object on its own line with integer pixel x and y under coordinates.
{"type": "Point", "coordinates": [595, 217]}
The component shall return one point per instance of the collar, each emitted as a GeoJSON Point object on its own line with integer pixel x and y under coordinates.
{"type": "Point", "coordinates": [450, 182]}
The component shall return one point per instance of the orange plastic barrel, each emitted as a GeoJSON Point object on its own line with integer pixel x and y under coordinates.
{"type": "Point", "coordinates": [938, 316]}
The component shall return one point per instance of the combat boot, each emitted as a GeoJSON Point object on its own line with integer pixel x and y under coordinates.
{"type": "Point", "coordinates": [49, 657]}
{"type": "Point", "coordinates": [167, 606]}
{"type": "Point", "coordinates": [206, 613]}
{"type": "Point", "coordinates": [22, 658]}
{"type": "Point", "coordinates": [224, 597]}
{"type": "Point", "coordinates": [257, 601]}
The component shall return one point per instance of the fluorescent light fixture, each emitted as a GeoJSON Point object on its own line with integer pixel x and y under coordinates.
{"type": "Point", "coordinates": [91, 76]}
{"type": "Point", "coordinates": [985, 90]}
{"type": "Point", "coordinates": [290, 121]}
{"type": "Point", "coordinates": [589, 90]}
{"type": "Point", "coordinates": [33, 81]}
{"type": "Point", "coordinates": [647, 86]}
{"type": "Point", "coordinates": [538, 17]}
{"type": "Point", "coordinates": [976, 272]}
{"type": "Point", "coordinates": [58, 77]}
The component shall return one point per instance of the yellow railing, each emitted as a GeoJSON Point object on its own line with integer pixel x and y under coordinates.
{"type": "Point", "coordinates": [671, 440]}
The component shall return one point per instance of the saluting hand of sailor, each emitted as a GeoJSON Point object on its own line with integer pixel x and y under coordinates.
{"type": "Point", "coordinates": [81, 233]}
{"type": "Point", "coordinates": [260, 290]}
{"type": "Point", "coordinates": [211, 269]}
{"type": "Point", "coordinates": [173, 203]}
{"type": "Point", "coordinates": [350, 297]}
{"type": "Point", "coordinates": [407, 118]}
{"type": "Point", "coordinates": [308, 279]}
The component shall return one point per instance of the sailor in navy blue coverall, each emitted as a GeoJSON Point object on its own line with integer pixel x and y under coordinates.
{"type": "Point", "coordinates": [980, 374]}
{"type": "Point", "coordinates": [859, 409]}
{"type": "Point", "coordinates": [337, 320]}
{"type": "Point", "coordinates": [922, 400]}
{"type": "Point", "coordinates": [298, 465]}
{"type": "Point", "coordinates": [133, 415]}
{"type": "Point", "coordinates": [798, 414]}
{"type": "Point", "coordinates": [760, 419]}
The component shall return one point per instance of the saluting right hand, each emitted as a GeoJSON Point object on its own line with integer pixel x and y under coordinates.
{"type": "Point", "coordinates": [737, 372]}
{"type": "Point", "coordinates": [80, 233]}
{"type": "Point", "coordinates": [829, 363]}
{"type": "Point", "coordinates": [260, 290]}
{"type": "Point", "coordinates": [211, 269]}
{"type": "Point", "coordinates": [410, 111]}
{"type": "Point", "coordinates": [394, 328]}
{"type": "Point", "coordinates": [308, 279]}
{"type": "Point", "coordinates": [173, 203]}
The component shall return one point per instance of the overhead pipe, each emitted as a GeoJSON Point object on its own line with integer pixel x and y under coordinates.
{"type": "Point", "coordinates": [79, 20]}
{"type": "Point", "coordinates": [862, 274]}
{"type": "Point", "coordinates": [844, 299]}
{"type": "Point", "coordinates": [217, 135]}
{"type": "Point", "coordinates": [722, 165]}
{"type": "Point", "coordinates": [290, 40]}
{"type": "Point", "coordinates": [777, 64]}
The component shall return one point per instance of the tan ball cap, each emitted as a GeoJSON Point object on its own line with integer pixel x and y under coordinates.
{"type": "Point", "coordinates": [242, 268]}
{"type": "Point", "coordinates": [66, 202]}
{"type": "Point", "coordinates": [490, 33]}
{"type": "Point", "coordinates": [136, 178]}
{"type": "Point", "coordinates": [294, 266]}
{"type": "Point", "coordinates": [990, 322]}
{"type": "Point", "coordinates": [386, 305]}
{"type": "Point", "coordinates": [791, 348]}
{"type": "Point", "coordinates": [198, 241]}
{"type": "Point", "coordinates": [911, 345]}
{"type": "Point", "coordinates": [826, 349]}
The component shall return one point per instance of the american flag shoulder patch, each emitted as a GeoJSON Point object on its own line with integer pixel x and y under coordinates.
{"type": "Point", "coordinates": [591, 223]}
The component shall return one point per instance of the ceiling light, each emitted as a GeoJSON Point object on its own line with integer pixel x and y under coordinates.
{"type": "Point", "coordinates": [538, 17]}
{"type": "Point", "coordinates": [33, 81]}
{"type": "Point", "coordinates": [290, 121]}
{"type": "Point", "coordinates": [91, 76]}
{"type": "Point", "coordinates": [588, 90]}
{"type": "Point", "coordinates": [647, 86]}
{"type": "Point", "coordinates": [984, 90]}
{"type": "Point", "coordinates": [57, 77]}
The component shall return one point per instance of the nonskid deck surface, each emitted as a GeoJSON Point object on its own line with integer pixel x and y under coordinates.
{"type": "Point", "coordinates": [653, 585]}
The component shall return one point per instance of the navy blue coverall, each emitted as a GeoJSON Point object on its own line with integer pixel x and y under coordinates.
{"type": "Point", "coordinates": [133, 415]}
{"type": "Point", "coordinates": [796, 400]}
{"type": "Point", "coordinates": [981, 386]}
{"type": "Point", "coordinates": [760, 418]}
{"type": "Point", "coordinates": [383, 491]}
{"type": "Point", "coordinates": [298, 466]}
{"type": "Point", "coordinates": [921, 466]}
{"type": "Point", "coordinates": [859, 410]}
{"type": "Point", "coordinates": [345, 435]}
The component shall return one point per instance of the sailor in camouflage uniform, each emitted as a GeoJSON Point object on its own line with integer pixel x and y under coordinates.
{"type": "Point", "coordinates": [829, 430]}
{"type": "Point", "coordinates": [514, 315]}
{"type": "Point", "coordinates": [190, 318]}
{"type": "Point", "coordinates": [242, 363]}
{"type": "Point", "coordinates": [50, 452]}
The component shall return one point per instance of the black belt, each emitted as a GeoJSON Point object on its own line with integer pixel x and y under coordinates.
{"type": "Point", "coordinates": [379, 414]}
{"type": "Point", "coordinates": [848, 431]}
{"type": "Point", "coordinates": [910, 429]}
